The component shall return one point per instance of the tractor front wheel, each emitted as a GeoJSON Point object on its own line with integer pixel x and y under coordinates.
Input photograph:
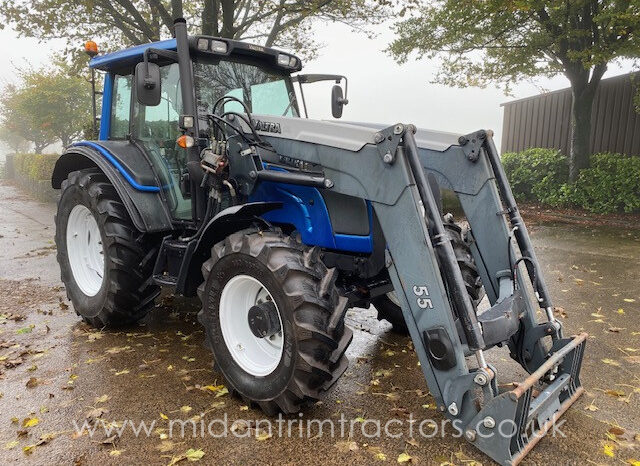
{"type": "Point", "coordinates": [388, 305]}
{"type": "Point", "coordinates": [105, 262]}
{"type": "Point", "coordinates": [273, 319]}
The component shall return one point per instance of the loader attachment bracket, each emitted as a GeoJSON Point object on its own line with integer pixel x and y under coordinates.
{"type": "Point", "coordinates": [472, 143]}
{"type": "Point", "coordinates": [387, 141]}
{"type": "Point", "coordinates": [509, 426]}
{"type": "Point", "coordinates": [502, 321]}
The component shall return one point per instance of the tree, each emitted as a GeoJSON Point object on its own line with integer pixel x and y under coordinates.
{"type": "Point", "coordinates": [119, 23]}
{"type": "Point", "coordinates": [47, 105]}
{"type": "Point", "coordinates": [13, 141]}
{"type": "Point", "coordinates": [505, 41]}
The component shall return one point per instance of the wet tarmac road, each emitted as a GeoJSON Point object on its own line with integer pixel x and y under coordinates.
{"type": "Point", "coordinates": [57, 370]}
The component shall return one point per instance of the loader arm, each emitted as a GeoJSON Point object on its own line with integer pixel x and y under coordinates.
{"type": "Point", "coordinates": [387, 168]}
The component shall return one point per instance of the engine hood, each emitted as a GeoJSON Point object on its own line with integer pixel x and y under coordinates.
{"type": "Point", "coordinates": [351, 136]}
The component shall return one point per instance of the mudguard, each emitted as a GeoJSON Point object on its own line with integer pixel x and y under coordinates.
{"type": "Point", "coordinates": [228, 221]}
{"type": "Point", "coordinates": [129, 172]}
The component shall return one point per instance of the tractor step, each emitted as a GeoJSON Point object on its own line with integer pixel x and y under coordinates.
{"type": "Point", "coordinates": [510, 425]}
{"type": "Point", "coordinates": [169, 261]}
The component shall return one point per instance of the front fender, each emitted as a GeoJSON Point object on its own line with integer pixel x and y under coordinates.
{"type": "Point", "coordinates": [146, 208]}
{"type": "Point", "coordinates": [228, 221]}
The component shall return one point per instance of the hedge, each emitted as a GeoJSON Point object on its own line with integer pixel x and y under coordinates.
{"type": "Point", "coordinates": [611, 184]}
{"type": "Point", "coordinates": [35, 166]}
{"type": "Point", "coordinates": [537, 174]}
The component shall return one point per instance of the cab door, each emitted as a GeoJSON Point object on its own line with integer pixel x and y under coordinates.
{"type": "Point", "coordinates": [156, 129]}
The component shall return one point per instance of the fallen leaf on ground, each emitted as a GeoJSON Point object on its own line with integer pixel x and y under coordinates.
{"type": "Point", "coordinates": [109, 440]}
{"type": "Point", "coordinates": [611, 362]}
{"type": "Point", "coordinates": [615, 430]}
{"type": "Point", "coordinates": [263, 435]}
{"type": "Point", "coordinates": [30, 422]}
{"type": "Point", "coordinates": [412, 442]}
{"type": "Point", "coordinates": [560, 312]}
{"type": "Point", "coordinates": [96, 413]}
{"type": "Point", "coordinates": [32, 382]}
{"type": "Point", "coordinates": [629, 300]}
{"type": "Point", "coordinates": [346, 446]}
{"type": "Point", "coordinates": [608, 449]}
{"type": "Point", "coordinates": [190, 455]}
{"type": "Point", "coordinates": [102, 399]}
{"type": "Point", "coordinates": [10, 445]}
{"type": "Point", "coordinates": [404, 458]}
{"type": "Point", "coordinates": [222, 392]}
{"type": "Point", "coordinates": [165, 446]}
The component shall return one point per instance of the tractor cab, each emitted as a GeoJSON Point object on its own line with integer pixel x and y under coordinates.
{"type": "Point", "coordinates": [145, 89]}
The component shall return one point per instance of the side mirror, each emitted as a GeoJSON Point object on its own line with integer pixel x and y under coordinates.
{"type": "Point", "coordinates": [147, 80]}
{"type": "Point", "coordinates": [337, 101]}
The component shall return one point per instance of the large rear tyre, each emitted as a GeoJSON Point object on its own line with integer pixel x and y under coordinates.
{"type": "Point", "coordinates": [388, 306]}
{"type": "Point", "coordinates": [273, 319]}
{"type": "Point", "coordinates": [105, 263]}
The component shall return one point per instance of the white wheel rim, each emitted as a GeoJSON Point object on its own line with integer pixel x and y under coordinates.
{"type": "Point", "coordinates": [85, 250]}
{"type": "Point", "coordinates": [257, 356]}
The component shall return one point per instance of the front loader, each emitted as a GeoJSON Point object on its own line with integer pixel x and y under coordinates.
{"type": "Point", "coordinates": [206, 178]}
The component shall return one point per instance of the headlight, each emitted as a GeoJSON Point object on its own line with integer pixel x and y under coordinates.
{"type": "Point", "coordinates": [203, 44]}
{"type": "Point", "coordinates": [283, 59]}
{"type": "Point", "coordinates": [218, 46]}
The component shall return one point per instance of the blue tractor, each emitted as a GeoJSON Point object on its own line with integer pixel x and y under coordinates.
{"type": "Point", "coordinates": [206, 177]}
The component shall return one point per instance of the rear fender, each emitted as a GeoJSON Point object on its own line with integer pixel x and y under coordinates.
{"type": "Point", "coordinates": [146, 207]}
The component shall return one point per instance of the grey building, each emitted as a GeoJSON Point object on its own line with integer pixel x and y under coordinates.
{"type": "Point", "coordinates": [544, 120]}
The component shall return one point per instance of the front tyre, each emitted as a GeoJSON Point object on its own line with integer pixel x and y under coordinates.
{"type": "Point", "coordinates": [388, 305]}
{"type": "Point", "coordinates": [273, 319]}
{"type": "Point", "coordinates": [105, 262]}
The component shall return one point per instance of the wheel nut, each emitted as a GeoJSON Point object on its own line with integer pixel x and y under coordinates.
{"type": "Point", "coordinates": [388, 158]}
{"type": "Point", "coordinates": [489, 422]}
{"type": "Point", "coordinates": [470, 435]}
{"type": "Point", "coordinates": [378, 138]}
{"type": "Point", "coordinates": [453, 409]}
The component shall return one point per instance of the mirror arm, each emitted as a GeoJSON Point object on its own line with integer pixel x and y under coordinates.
{"type": "Point", "coordinates": [170, 54]}
{"type": "Point", "coordinates": [345, 101]}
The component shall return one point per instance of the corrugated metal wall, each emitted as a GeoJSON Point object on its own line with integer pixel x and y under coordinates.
{"type": "Point", "coordinates": [544, 120]}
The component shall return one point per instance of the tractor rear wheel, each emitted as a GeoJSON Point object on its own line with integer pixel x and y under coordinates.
{"type": "Point", "coordinates": [273, 319]}
{"type": "Point", "coordinates": [388, 306]}
{"type": "Point", "coordinates": [105, 262]}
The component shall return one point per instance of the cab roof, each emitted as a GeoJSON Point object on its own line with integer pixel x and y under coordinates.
{"type": "Point", "coordinates": [128, 57]}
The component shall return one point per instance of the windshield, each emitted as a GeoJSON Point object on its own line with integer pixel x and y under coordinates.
{"type": "Point", "coordinates": [264, 91]}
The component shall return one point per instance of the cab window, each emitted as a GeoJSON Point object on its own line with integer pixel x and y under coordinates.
{"type": "Point", "coordinates": [121, 107]}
